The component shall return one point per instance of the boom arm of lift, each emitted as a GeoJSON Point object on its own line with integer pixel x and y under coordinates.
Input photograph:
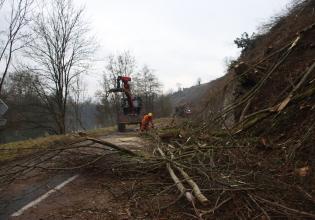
{"type": "Point", "coordinates": [126, 89]}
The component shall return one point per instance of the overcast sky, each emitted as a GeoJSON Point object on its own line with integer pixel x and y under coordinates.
{"type": "Point", "coordinates": [180, 39]}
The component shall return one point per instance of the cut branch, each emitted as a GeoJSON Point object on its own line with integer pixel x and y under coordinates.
{"type": "Point", "coordinates": [111, 145]}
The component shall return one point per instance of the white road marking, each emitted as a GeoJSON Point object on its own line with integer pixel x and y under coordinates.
{"type": "Point", "coordinates": [41, 198]}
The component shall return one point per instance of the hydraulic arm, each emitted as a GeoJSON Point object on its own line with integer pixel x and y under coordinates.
{"type": "Point", "coordinates": [125, 89]}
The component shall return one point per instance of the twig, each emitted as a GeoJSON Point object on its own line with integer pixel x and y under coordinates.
{"type": "Point", "coordinates": [256, 203]}
{"type": "Point", "coordinates": [286, 208]}
{"type": "Point", "coordinates": [216, 207]}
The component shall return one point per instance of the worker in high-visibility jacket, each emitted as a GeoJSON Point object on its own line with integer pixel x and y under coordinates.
{"type": "Point", "coordinates": [146, 121]}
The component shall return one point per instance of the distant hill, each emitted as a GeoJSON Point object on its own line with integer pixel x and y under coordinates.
{"type": "Point", "coordinates": [189, 95]}
{"type": "Point", "coordinates": [197, 97]}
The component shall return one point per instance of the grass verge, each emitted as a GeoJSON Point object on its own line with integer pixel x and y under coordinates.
{"type": "Point", "coordinates": [12, 150]}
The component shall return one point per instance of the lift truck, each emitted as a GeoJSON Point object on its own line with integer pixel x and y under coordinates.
{"type": "Point", "coordinates": [130, 110]}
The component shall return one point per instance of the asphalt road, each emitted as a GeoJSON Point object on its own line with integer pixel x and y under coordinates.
{"type": "Point", "coordinates": [10, 203]}
{"type": "Point", "coordinates": [25, 194]}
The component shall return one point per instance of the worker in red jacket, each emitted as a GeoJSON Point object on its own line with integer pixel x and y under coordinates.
{"type": "Point", "coordinates": [146, 121]}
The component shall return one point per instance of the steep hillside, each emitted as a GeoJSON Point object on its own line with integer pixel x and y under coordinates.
{"type": "Point", "coordinates": [277, 60]}
{"type": "Point", "coordinates": [254, 136]}
{"type": "Point", "coordinates": [269, 67]}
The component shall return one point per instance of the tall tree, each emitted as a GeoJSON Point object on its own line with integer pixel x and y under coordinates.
{"type": "Point", "coordinates": [61, 51]}
{"type": "Point", "coordinates": [123, 64]}
{"type": "Point", "coordinates": [149, 87]}
{"type": "Point", "coordinates": [106, 110]}
{"type": "Point", "coordinates": [11, 34]}
{"type": "Point", "coordinates": [144, 84]}
{"type": "Point", "coordinates": [26, 112]}
{"type": "Point", "coordinates": [76, 104]}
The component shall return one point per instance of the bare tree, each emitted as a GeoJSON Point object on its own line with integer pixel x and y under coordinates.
{"type": "Point", "coordinates": [77, 103]}
{"type": "Point", "coordinates": [26, 114]}
{"type": "Point", "coordinates": [179, 87]}
{"type": "Point", "coordinates": [106, 108]}
{"type": "Point", "coordinates": [61, 51]}
{"type": "Point", "coordinates": [144, 84]}
{"type": "Point", "coordinates": [121, 65]}
{"type": "Point", "coordinates": [1, 3]}
{"type": "Point", "coordinates": [12, 34]}
{"type": "Point", "coordinates": [149, 87]}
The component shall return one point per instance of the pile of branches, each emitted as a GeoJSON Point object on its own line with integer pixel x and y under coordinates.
{"type": "Point", "coordinates": [237, 174]}
{"type": "Point", "coordinates": [227, 177]}
{"type": "Point", "coordinates": [223, 176]}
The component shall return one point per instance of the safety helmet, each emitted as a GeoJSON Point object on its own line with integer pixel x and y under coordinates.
{"type": "Point", "coordinates": [150, 114]}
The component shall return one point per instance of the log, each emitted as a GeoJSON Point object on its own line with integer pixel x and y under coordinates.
{"type": "Point", "coordinates": [176, 180]}
{"type": "Point", "coordinates": [111, 145]}
{"type": "Point", "coordinates": [245, 110]}
{"type": "Point", "coordinates": [196, 190]}
{"type": "Point", "coordinates": [286, 101]}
